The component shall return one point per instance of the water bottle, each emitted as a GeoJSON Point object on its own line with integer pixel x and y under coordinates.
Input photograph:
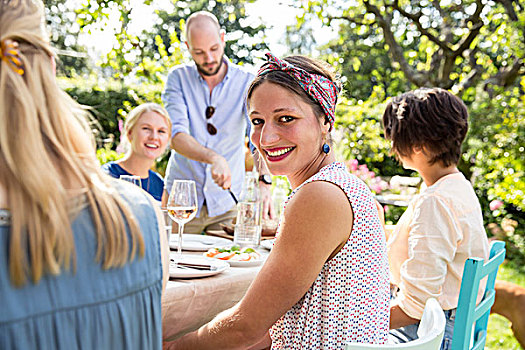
{"type": "Point", "coordinates": [279, 196]}
{"type": "Point", "coordinates": [249, 210]}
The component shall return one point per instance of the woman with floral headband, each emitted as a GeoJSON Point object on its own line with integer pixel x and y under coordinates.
{"type": "Point", "coordinates": [325, 282]}
{"type": "Point", "coordinates": [82, 260]}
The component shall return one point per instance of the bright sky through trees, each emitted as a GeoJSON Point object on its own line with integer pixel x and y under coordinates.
{"type": "Point", "coordinates": [274, 14]}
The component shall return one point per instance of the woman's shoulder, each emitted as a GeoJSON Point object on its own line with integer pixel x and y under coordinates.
{"type": "Point", "coordinates": [112, 168]}
{"type": "Point", "coordinates": [326, 198]}
{"type": "Point", "coordinates": [338, 174]}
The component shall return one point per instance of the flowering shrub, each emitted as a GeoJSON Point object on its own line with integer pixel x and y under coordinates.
{"type": "Point", "coordinates": [375, 183]}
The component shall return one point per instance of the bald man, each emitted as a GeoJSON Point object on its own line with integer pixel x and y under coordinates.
{"type": "Point", "coordinates": [206, 103]}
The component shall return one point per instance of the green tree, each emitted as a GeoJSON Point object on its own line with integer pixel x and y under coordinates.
{"type": "Point", "coordinates": [243, 38]}
{"type": "Point", "coordinates": [150, 54]}
{"type": "Point", "coordinates": [454, 45]}
{"type": "Point", "coordinates": [64, 33]}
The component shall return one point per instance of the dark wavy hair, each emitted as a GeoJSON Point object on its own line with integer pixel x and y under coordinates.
{"type": "Point", "coordinates": [433, 119]}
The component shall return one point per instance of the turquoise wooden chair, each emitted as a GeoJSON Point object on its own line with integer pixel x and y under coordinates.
{"type": "Point", "coordinates": [468, 313]}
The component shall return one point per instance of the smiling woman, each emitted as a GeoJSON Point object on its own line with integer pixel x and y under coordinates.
{"type": "Point", "coordinates": [147, 129]}
{"type": "Point", "coordinates": [325, 281]}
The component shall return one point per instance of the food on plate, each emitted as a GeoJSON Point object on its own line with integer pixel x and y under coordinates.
{"type": "Point", "coordinates": [234, 253]}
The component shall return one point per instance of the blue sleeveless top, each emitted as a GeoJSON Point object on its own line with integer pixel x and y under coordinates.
{"type": "Point", "coordinates": [153, 184]}
{"type": "Point", "coordinates": [89, 308]}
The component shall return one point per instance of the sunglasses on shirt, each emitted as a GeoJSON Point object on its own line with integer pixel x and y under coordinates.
{"type": "Point", "coordinates": [210, 110]}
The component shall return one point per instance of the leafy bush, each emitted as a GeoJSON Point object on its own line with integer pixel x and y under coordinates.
{"type": "Point", "coordinates": [495, 152]}
{"type": "Point", "coordinates": [109, 103]}
{"type": "Point", "coordinates": [359, 135]}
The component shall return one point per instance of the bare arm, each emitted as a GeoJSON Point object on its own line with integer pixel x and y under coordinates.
{"type": "Point", "coordinates": [398, 318]}
{"type": "Point", "coordinates": [286, 275]}
{"type": "Point", "coordinates": [187, 146]}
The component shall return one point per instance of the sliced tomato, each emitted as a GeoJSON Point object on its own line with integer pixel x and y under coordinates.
{"type": "Point", "coordinates": [211, 253]}
{"type": "Point", "coordinates": [225, 256]}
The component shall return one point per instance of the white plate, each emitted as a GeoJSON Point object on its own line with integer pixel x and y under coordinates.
{"type": "Point", "coordinates": [197, 243]}
{"type": "Point", "coordinates": [248, 263]}
{"type": "Point", "coordinates": [268, 243]}
{"type": "Point", "coordinates": [177, 272]}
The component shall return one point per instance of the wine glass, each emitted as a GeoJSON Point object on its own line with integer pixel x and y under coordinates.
{"type": "Point", "coordinates": [134, 179]}
{"type": "Point", "coordinates": [182, 205]}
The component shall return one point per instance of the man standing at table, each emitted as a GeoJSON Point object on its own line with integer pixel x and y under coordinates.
{"type": "Point", "coordinates": [206, 103]}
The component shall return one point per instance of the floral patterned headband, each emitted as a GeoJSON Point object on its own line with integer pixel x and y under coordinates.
{"type": "Point", "coordinates": [10, 54]}
{"type": "Point", "coordinates": [321, 89]}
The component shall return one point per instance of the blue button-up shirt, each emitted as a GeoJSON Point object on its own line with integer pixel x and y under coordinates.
{"type": "Point", "coordinates": [186, 98]}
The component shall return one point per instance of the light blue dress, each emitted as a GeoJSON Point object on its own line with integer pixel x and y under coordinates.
{"type": "Point", "coordinates": [89, 308]}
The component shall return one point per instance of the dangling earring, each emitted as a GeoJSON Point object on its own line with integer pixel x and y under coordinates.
{"type": "Point", "coordinates": [326, 148]}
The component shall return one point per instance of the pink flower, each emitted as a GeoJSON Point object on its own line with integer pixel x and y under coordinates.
{"type": "Point", "coordinates": [353, 165]}
{"type": "Point", "coordinates": [377, 188]}
{"type": "Point", "coordinates": [495, 204]}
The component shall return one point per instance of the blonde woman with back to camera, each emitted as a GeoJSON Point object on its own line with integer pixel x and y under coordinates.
{"type": "Point", "coordinates": [84, 260]}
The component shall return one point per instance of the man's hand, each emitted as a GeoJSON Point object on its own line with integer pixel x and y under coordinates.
{"type": "Point", "coordinates": [266, 200]}
{"type": "Point", "coordinates": [220, 172]}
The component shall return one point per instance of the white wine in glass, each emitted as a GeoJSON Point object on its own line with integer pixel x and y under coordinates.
{"type": "Point", "coordinates": [182, 205]}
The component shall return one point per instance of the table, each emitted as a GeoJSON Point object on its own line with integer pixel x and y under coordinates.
{"type": "Point", "coordinates": [187, 304]}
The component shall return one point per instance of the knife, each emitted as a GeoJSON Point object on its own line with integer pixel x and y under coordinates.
{"type": "Point", "coordinates": [233, 196]}
{"type": "Point", "coordinates": [195, 266]}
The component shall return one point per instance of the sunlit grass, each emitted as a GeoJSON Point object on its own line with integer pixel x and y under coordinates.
{"type": "Point", "coordinates": [499, 334]}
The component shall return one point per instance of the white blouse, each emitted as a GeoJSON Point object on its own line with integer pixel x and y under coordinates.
{"type": "Point", "coordinates": [441, 228]}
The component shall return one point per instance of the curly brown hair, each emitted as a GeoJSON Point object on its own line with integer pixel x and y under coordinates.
{"type": "Point", "coordinates": [432, 119]}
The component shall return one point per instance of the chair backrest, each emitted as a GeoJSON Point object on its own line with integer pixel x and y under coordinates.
{"type": "Point", "coordinates": [430, 332]}
{"type": "Point", "coordinates": [467, 313]}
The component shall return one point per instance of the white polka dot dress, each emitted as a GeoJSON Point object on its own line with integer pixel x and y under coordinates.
{"type": "Point", "coordinates": [349, 300]}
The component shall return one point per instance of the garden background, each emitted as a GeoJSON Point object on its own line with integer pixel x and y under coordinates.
{"type": "Point", "coordinates": [475, 48]}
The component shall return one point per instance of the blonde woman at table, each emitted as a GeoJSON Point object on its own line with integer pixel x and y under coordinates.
{"type": "Point", "coordinates": [325, 282]}
{"type": "Point", "coordinates": [83, 260]}
{"type": "Point", "coordinates": [147, 134]}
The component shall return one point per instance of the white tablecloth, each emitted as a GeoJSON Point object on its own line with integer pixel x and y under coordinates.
{"type": "Point", "coordinates": [187, 304]}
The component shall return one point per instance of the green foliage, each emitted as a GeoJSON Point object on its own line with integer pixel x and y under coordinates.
{"type": "Point", "coordinates": [499, 334]}
{"type": "Point", "coordinates": [495, 152]}
{"type": "Point", "coordinates": [149, 55]}
{"type": "Point", "coordinates": [243, 37]}
{"type": "Point", "coordinates": [109, 103]}
{"type": "Point", "coordinates": [64, 34]}
{"type": "Point", "coordinates": [363, 64]}
{"type": "Point", "coordinates": [359, 135]}
{"type": "Point", "coordinates": [105, 155]}
{"type": "Point", "coordinates": [404, 44]}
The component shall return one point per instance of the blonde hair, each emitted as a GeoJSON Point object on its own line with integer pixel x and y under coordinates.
{"type": "Point", "coordinates": [137, 112]}
{"type": "Point", "coordinates": [55, 157]}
